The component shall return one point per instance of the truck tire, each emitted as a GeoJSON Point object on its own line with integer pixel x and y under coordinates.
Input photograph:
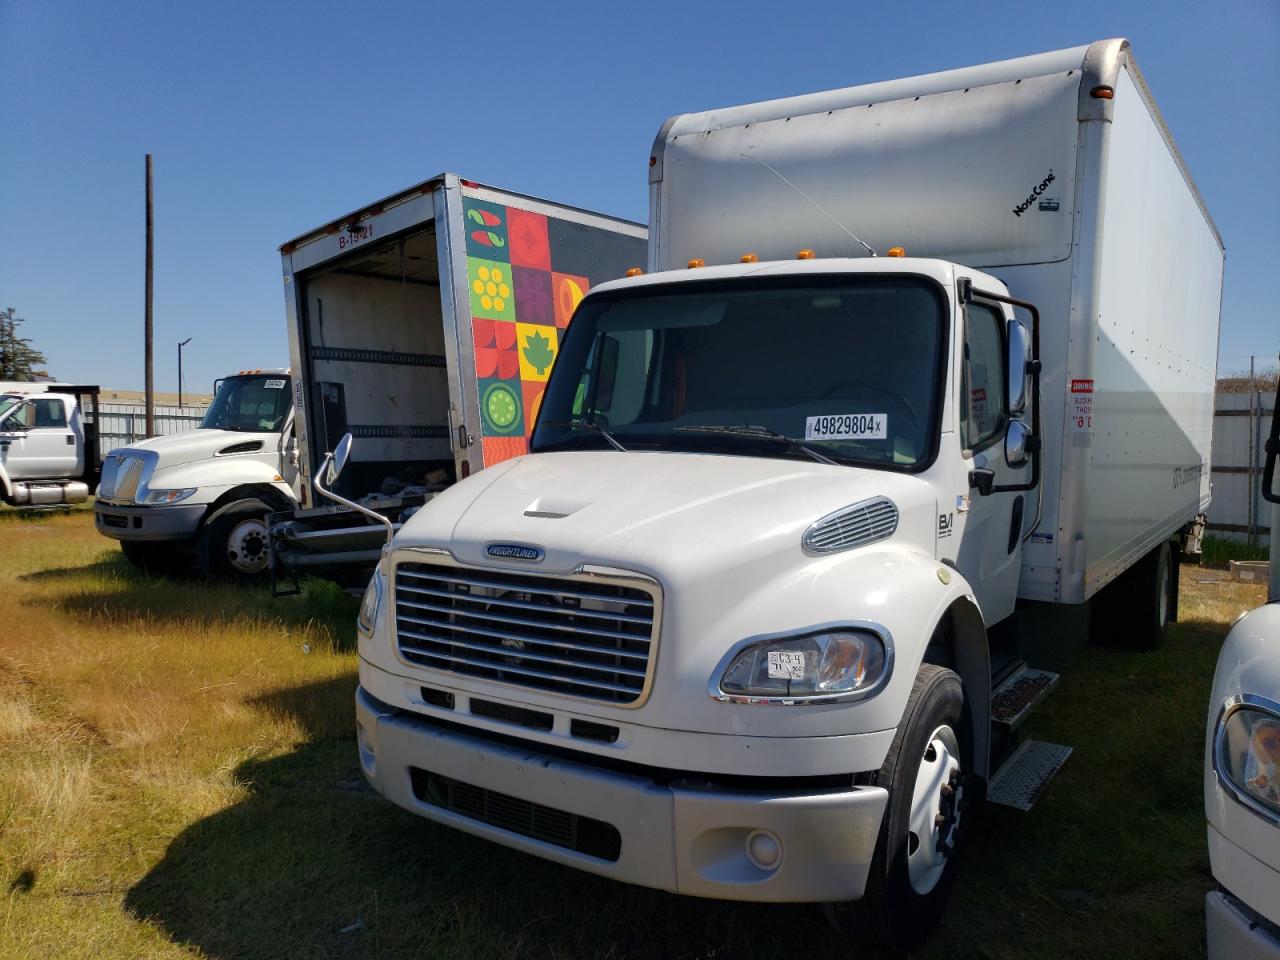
{"type": "Point", "coordinates": [152, 557]}
{"type": "Point", "coordinates": [914, 865]}
{"type": "Point", "coordinates": [232, 543]}
{"type": "Point", "coordinates": [1135, 609]}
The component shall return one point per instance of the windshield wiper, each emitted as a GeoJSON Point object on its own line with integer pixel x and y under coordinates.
{"type": "Point", "coordinates": [764, 433]}
{"type": "Point", "coordinates": [589, 425]}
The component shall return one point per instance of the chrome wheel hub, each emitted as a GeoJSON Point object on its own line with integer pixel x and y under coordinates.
{"type": "Point", "coordinates": [935, 811]}
{"type": "Point", "coordinates": [247, 546]}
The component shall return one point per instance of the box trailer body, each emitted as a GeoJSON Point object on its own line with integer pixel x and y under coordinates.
{"type": "Point", "coordinates": [755, 618]}
{"type": "Point", "coordinates": [425, 325]}
{"type": "Point", "coordinates": [48, 443]}
{"type": "Point", "coordinates": [1081, 204]}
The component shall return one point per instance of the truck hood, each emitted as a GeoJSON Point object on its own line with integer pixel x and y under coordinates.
{"type": "Point", "coordinates": [656, 512]}
{"type": "Point", "coordinates": [191, 445]}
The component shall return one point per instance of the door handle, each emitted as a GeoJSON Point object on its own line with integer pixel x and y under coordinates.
{"type": "Point", "coordinates": [71, 439]}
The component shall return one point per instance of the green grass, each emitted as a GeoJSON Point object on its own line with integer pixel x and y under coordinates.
{"type": "Point", "coordinates": [178, 778]}
{"type": "Point", "coordinates": [1219, 551]}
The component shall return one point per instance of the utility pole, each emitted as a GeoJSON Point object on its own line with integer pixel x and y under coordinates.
{"type": "Point", "coordinates": [150, 381]}
{"type": "Point", "coordinates": [181, 344]}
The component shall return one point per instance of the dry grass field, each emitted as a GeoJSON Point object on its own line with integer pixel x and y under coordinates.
{"type": "Point", "coordinates": [178, 779]}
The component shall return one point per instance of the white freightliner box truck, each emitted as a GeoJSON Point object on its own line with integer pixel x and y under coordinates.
{"type": "Point", "coordinates": [207, 491]}
{"type": "Point", "coordinates": [48, 443]}
{"type": "Point", "coordinates": [745, 623]}
{"type": "Point", "coordinates": [425, 325]}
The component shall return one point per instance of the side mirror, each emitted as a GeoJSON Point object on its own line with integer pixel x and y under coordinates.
{"type": "Point", "coordinates": [338, 460]}
{"type": "Point", "coordinates": [1016, 443]}
{"type": "Point", "coordinates": [1018, 374]}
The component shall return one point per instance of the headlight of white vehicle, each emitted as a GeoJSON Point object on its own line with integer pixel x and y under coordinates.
{"type": "Point", "coordinates": [1247, 752]}
{"type": "Point", "coordinates": [368, 614]}
{"type": "Point", "coordinates": [169, 496]}
{"type": "Point", "coordinates": [839, 662]}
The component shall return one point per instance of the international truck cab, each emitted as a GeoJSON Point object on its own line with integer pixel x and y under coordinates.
{"type": "Point", "coordinates": [207, 491]}
{"type": "Point", "coordinates": [48, 445]}
{"type": "Point", "coordinates": [760, 614]}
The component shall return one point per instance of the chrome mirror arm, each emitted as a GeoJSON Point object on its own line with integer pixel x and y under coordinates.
{"type": "Point", "coordinates": [329, 494]}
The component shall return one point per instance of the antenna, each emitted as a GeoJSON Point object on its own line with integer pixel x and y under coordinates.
{"type": "Point", "coordinates": [820, 208]}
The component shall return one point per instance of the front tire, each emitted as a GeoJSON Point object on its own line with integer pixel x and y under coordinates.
{"type": "Point", "coordinates": [914, 866]}
{"type": "Point", "coordinates": [232, 543]}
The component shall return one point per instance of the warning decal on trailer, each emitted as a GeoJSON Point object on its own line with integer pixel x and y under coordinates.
{"type": "Point", "coordinates": [1081, 407]}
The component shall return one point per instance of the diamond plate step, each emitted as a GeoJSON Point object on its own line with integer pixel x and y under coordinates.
{"type": "Point", "coordinates": [1024, 776]}
{"type": "Point", "coordinates": [1020, 693]}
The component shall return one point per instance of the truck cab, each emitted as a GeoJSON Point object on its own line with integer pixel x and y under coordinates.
{"type": "Point", "coordinates": [48, 445]}
{"type": "Point", "coordinates": [207, 491]}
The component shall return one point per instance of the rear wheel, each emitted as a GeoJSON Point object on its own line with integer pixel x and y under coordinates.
{"type": "Point", "coordinates": [1135, 610]}
{"type": "Point", "coordinates": [153, 556]}
{"type": "Point", "coordinates": [914, 866]}
{"type": "Point", "coordinates": [232, 544]}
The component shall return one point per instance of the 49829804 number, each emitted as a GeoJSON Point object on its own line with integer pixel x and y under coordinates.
{"type": "Point", "coordinates": [847, 426]}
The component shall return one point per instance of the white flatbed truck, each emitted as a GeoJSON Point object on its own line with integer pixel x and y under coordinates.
{"type": "Point", "coordinates": [48, 443]}
{"type": "Point", "coordinates": [750, 620]}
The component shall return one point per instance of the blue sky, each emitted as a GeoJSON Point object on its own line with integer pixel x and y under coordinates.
{"type": "Point", "coordinates": [267, 119]}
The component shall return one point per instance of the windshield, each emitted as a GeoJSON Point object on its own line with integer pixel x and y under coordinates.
{"type": "Point", "coordinates": [252, 404]}
{"type": "Point", "coordinates": [850, 366]}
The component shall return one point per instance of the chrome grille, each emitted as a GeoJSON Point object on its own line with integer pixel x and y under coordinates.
{"type": "Point", "coordinates": [853, 526]}
{"type": "Point", "coordinates": [120, 478]}
{"type": "Point", "coordinates": [575, 635]}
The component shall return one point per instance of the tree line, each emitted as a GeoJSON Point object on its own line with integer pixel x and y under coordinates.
{"type": "Point", "coordinates": [18, 359]}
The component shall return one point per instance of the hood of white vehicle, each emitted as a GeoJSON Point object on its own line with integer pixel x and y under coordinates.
{"type": "Point", "coordinates": [200, 444]}
{"type": "Point", "coordinates": [655, 512]}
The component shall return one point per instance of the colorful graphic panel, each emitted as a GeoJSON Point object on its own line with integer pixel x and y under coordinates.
{"type": "Point", "coordinates": [526, 274]}
{"type": "Point", "coordinates": [489, 284]}
{"type": "Point", "coordinates": [486, 225]}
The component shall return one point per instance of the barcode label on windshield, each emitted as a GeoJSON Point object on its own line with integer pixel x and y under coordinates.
{"type": "Point", "coordinates": [274, 385]}
{"type": "Point", "coordinates": [847, 426]}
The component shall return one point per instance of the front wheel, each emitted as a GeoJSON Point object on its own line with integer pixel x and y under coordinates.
{"type": "Point", "coordinates": [914, 865]}
{"type": "Point", "coordinates": [232, 544]}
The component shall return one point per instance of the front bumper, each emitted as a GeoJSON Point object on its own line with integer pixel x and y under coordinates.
{"type": "Point", "coordinates": [1234, 932]}
{"type": "Point", "coordinates": [684, 837]}
{"type": "Point", "coordinates": [178, 522]}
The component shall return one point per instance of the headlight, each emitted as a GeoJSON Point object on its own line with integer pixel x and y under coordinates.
{"type": "Point", "coordinates": [837, 663]}
{"type": "Point", "coordinates": [368, 614]}
{"type": "Point", "coordinates": [1248, 752]}
{"type": "Point", "coordinates": [169, 496]}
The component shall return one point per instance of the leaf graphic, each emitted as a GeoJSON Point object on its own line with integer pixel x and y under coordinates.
{"type": "Point", "coordinates": [538, 352]}
{"type": "Point", "coordinates": [496, 241]}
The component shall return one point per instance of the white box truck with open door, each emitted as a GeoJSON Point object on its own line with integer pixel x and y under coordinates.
{"type": "Point", "coordinates": [747, 622]}
{"type": "Point", "coordinates": [425, 325]}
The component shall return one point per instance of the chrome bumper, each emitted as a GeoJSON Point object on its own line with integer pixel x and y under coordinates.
{"type": "Point", "coordinates": [811, 845]}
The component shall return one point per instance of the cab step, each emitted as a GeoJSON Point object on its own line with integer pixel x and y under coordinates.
{"type": "Point", "coordinates": [1019, 694]}
{"type": "Point", "coordinates": [1022, 779]}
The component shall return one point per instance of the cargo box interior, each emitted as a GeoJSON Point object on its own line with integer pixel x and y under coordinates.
{"type": "Point", "coordinates": [376, 349]}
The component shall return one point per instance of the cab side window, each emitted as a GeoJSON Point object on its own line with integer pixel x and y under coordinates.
{"type": "Point", "coordinates": [22, 417]}
{"type": "Point", "coordinates": [982, 388]}
{"type": "Point", "coordinates": [49, 413]}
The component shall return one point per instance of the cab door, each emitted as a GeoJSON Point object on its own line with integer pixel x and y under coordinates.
{"type": "Point", "coordinates": [38, 442]}
{"type": "Point", "coordinates": [989, 554]}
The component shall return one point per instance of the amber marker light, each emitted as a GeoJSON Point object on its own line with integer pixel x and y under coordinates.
{"type": "Point", "coordinates": [697, 262]}
{"type": "Point", "coordinates": [1102, 92]}
{"type": "Point", "coordinates": [749, 258]}
{"type": "Point", "coordinates": [635, 272]}
{"type": "Point", "coordinates": [897, 251]}
{"type": "Point", "coordinates": [805, 254]}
